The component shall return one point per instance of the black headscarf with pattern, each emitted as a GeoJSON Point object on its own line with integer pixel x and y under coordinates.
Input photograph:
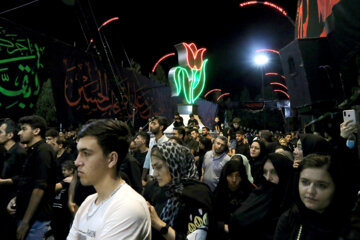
{"type": "Point", "coordinates": [182, 168]}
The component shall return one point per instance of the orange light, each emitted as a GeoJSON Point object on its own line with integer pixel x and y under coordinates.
{"type": "Point", "coordinates": [213, 90]}
{"type": "Point", "coordinates": [222, 96]}
{"type": "Point", "coordinates": [280, 84]}
{"type": "Point", "coordinates": [107, 22]}
{"type": "Point", "coordinates": [277, 90]}
{"type": "Point", "coordinates": [162, 58]}
{"type": "Point", "coordinates": [274, 74]}
{"type": "Point", "coordinates": [267, 50]}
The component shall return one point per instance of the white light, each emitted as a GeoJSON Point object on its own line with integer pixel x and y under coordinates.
{"type": "Point", "coordinates": [261, 60]}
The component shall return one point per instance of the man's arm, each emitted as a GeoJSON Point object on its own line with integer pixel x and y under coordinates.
{"type": "Point", "coordinates": [202, 174]}
{"type": "Point", "coordinates": [7, 181]}
{"type": "Point", "coordinates": [35, 199]}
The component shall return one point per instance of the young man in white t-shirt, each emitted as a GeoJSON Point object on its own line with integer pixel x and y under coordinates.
{"type": "Point", "coordinates": [115, 211]}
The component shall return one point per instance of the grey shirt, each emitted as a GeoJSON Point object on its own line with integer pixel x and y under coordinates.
{"type": "Point", "coordinates": [212, 168]}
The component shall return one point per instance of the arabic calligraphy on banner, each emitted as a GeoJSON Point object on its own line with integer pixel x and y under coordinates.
{"type": "Point", "coordinates": [21, 59]}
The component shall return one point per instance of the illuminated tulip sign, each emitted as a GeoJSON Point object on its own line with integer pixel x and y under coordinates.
{"type": "Point", "coordinates": [190, 76]}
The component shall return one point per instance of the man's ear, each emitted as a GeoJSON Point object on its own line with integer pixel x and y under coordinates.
{"type": "Point", "coordinates": [36, 131]}
{"type": "Point", "coordinates": [10, 135]}
{"type": "Point", "coordinates": [112, 159]}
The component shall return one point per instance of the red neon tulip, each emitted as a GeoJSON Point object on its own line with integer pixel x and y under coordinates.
{"type": "Point", "coordinates": [194, 56]}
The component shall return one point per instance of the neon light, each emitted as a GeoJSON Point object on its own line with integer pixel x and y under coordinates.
{"type": "Point", "coordinates": [162, 58]}
{"type": "Point", "coordinates": [274, 74]}
{"type": "Point", "coordinates": [272, 5]}
{"type": "Point", "coordinates": [224, 94]}
{"type": "Point", "coordinates": [190, 76]}
{"type": "Point", "coordinates": [280, 84]}
{"type": "Point", "coordinates": [213, 90]}
{"type": "Point", "coordinates": [248, 3]}
{"type": "Point", "coordinates": [108, 21]}
{"type": "Point", "coordinates": [268, 50]}
{"type": "Point", "coordinates": [193, 58]}
{"type": "Point", "coordinates": [275, 7]}
{"type": "Point", "coordinates": [287, 95]}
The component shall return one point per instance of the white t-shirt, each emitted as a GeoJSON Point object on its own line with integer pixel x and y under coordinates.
{"type": "Point", "coordinates": [124, 215]}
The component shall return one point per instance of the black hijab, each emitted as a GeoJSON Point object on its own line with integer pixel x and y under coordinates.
{"type": "Point", "coordinates": [312, 143]}
{"type": "Point", "coordinates": [260, 211]}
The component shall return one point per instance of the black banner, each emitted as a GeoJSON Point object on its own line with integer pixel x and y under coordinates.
{"type": "Point", "coordinates": [22, 58]}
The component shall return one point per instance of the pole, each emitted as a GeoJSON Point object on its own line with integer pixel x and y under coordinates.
{"type": "Point", "coordinates": [263, 94]}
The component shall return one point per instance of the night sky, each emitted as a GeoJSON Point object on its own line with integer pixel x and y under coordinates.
{"type": "Point", "coordinates": [147, 30]}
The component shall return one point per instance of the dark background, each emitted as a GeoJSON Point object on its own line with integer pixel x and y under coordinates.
{"type": "Point", "coordinates": [147, 30]}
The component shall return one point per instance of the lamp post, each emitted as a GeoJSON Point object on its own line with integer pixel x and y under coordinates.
{"type": "Point", "coordinates": [261, 60]}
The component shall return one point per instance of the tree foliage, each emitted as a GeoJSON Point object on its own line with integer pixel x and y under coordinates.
{"type": "Point", "coordinates": [45, 105]}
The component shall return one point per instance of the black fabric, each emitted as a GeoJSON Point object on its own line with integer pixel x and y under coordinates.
{"type": "Point", "coordinates": [131, 167]}
{"type": "Point", "coordinates": [81, 192]}
{"type": "Point", "coordinates": [59, 161]}
{"type": "Point", "coordinates": [140, 157]}
{"type": "Point", "coordinates": [38, 172]}
{"type": "Point", "coordinates": [257, 163]}
{"type": "Point", "coordinates": [61, 222]}
{"type": "Point", "coordinates": [227, 201]}
{"type": "Point", "coordinates": [259, 213]}
{"type": "Point", "coordinates": [12, 165]}
{"type": "Point", "coordinates": [195, 196]}
{"type": "Point", "coordinates": [14, 159]}
{"type": "Point", "coordinates": [312, 143]}
{"type": "Point", "coordinates": [242, 148]}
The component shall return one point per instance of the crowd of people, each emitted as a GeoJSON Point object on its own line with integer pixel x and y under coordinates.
{"type": "Point", "coordinates": [104, 181]}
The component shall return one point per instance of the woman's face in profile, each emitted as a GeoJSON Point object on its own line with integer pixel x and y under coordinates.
{"type": "Point", "coordinates": [316, 188]}
{"type": "Point", "coordinates": [161, 170]}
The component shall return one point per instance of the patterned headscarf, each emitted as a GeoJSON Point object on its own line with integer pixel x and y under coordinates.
{"type": "Point", "coordinates": [182, 168]}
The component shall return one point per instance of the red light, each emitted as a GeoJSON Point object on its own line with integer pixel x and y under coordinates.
{"type": "Point", "coordinates": [280, 84]}
{"type": "Point", "coordinates": [165, 56]}
{"type": "Point", "coordinates": [108, 21]}
{"type": "Point", "coordinates": [287, 95]}
{"type": "Point", "coordinates": [248, 3]}
{"type": "Point", "coordinates": [267, 50]}
{"type": "Point", "coordinates": [222, 96]}
{"type": "Point", "coordinates": [265, 3]}
{"type": "Point", "coordinates": [213, 90]}
{"type": "Point", "coordinates": [274, 74]}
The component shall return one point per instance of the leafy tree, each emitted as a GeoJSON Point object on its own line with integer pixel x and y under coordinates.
{"type": "Point", "coordinates": [160, 75]}
{"type": "Point", "coordinates": [45, 105]}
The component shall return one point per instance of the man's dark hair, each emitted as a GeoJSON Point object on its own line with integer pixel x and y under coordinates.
{"type": "Point", "coordinates": [145, 136]}
{"type": "Point", "coordinates": [52, 132]}
{"type": "Point", "coordinates": [35, 121]}
{"type": "Point", "coordinates": [69, 165]}
{"type": "Point", "coordinates": [178, 140]}
{"type": "Point", "coordinates": [112, 135]}
{"type": "Point", "coordinates": [240, 132]}
{"type": "Point", "coordinates": [162, 122]}
{"type": "Point", "coordinates": [180, 130]}
{"type": "Point", "coordinates": [194, 130]}
{"type": "Point", "coordinates": [207, 128]}
{"type": "Point", "coordinates": [11, 127]}
{"type": "Point", "coordinates": [61, 141]}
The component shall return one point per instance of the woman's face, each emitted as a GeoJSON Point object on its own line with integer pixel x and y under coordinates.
{"type": "Point", "coordinates": [254, 150]}
{"type": "Point", "coordinates": [161, 170]}
{"type": "Point", "coordinates": [270, 173]}
{"type": "Point", "coordinates": [233, 180]}
{"type": "Point", "coordinates": [316, 188]}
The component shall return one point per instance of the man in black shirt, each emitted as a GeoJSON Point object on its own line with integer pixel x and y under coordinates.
{"type": "Point", "coordinates": [36, 185]}
{"type": "Point", "coordinates": [141, 140]}
{"type": "Point", "coordinates": [11, 168]}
